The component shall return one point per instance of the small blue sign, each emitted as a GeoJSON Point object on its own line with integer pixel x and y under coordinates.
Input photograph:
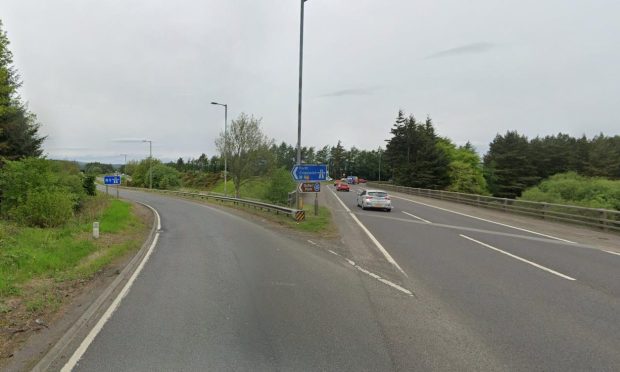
{"type": "Point", "coordinates": [317, 187]}
{"type": "Point", "coordinates": [310, 172]}
{"type": "Point", "coordinates": [112, 180]}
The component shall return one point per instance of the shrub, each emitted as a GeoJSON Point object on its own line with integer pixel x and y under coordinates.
{"type": "Point", "coordinates": [571, 188]}
{"type": "Point", "coordinates": [88, 183]}
{"type": "Point", "coordinates": [45, 209]}
{"type": "Point", "coordinates": [21, 179]}
{"type": "Point", "coordinates": [164, 177]}
{"type": "Point", "coordinates": [280, 185]}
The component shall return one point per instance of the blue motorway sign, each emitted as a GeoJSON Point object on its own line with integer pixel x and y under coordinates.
{"type": "Point", "coordinates": [309, 172]}
{"type": "Point", "coordinates": [112, 180]}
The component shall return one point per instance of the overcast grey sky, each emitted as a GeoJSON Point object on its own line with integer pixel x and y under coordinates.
{"type": "Point", "coordinates": [99, 70]}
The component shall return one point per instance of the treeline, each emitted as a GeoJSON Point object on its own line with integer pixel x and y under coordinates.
{"type": "Point", "coordinates": [515, 163]}
{"type": "Point", "coordinates": [420, 158]}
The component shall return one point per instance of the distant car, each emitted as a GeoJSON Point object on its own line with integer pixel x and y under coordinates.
{"type": "Point", "coordinates": [352, 180]}
{"type": "Point", "coordinates": [361, 180]}
{"type": "Point", "coordinates": [343, 186]}
{"type": "Point", "coordinates": [376, 199]}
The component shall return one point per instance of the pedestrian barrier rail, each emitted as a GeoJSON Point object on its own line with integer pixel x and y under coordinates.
{"type": "Point", "coordinates": [298, 215]}
{"type": "Point", "coordinates": [606, 219]}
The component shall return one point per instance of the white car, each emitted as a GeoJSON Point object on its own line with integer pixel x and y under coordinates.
{"type": "Point", "coordinates": [378, 199]}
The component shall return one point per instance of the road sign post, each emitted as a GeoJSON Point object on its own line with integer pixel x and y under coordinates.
{"type": "Point", "coordinates": [111, 180]}
{"type": "Point", "coordinates": [316, 204]}
{"type": "Point", "coordinates": [311, 187]}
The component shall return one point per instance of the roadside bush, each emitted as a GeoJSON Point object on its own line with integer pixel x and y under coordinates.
{"type": "Point", "coordinates": [45, 209]}
{"type": "Point", "coordinates": [21, 181]}
{"type": "Point", "coordinates": [280, 185]}
{"type": "Point", "coordinates": [571, 188]}
{"type": "Point", "coordinates": [164, 177]}
{"type": "Point", "coordinates": [88, 183]}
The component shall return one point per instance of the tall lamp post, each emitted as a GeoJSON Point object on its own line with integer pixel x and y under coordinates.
{"type": "Point", "coordinates": [124, 164]}
{"type": "Point", "coordinates": [225, 144]}
{"type": "Point", "coordinates": [380, 165]}
{"type": "Point", "coordinates": [301, 60]}
{"type": "Point", "coordinates": [150, 162]}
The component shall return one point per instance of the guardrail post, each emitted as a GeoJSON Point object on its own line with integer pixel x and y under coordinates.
{"type": "Point", "coordinates": [544, 210]}
{"type": "Point", "coordinates": [505, 204]}
{"type": "Point", "coordinates": [478, 200]}
{"type": "Point", "coordinates": [604, 219]}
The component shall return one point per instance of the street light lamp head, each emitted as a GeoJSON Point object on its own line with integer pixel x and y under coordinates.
{"type": "Point", "coordinates": [214, 103]}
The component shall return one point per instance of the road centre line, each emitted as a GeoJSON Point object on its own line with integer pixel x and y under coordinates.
{"type": "Point", "coordinates": [414, 216]}
{"type": "Point", "coordinates": [485, 220]}
{"type": "Point", "coordinates": [612, 252]}
{"type": "Point", "coordinates": [387, 256]}
{"type": "Point", "coordinates": [79, 352]}
{"type": "Point", "coordinates": [518, 258]}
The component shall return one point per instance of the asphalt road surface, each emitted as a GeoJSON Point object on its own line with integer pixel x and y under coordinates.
{"type": "Point", "coordinates": [221, 292]}
{"type": "Point", "coordinates": [539, 302]}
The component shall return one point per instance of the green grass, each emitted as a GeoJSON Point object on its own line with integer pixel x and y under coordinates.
{"type": "Point", "coordinates": [117, 217]}
{"type": "Point", "coordinates": [28, 253]}
{"type": "Point", "coordinates": [255, 188]}
{"type": "Point", "coordinates": [312, 223]}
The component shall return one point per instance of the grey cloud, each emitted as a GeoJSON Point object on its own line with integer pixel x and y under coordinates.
{"type": "Point", "coordinates": [351, 92]}
{"type": "Point", "coordinates": [474, 48]}
{"type": "Point", "coordinates": [128, 139]}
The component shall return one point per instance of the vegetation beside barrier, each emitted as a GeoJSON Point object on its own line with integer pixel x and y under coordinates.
{"type": "Point", "coordinates": [604, 219]}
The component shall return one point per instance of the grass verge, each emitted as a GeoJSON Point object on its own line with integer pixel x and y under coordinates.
{"type": "Point", "coordinates": [28, 253]}
{"type": "Point", "coordinates": [319, 225]}
{"type": "Point", "coordinates": [42, 268]}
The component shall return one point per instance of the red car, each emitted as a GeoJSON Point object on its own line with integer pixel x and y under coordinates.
{"type": "Point", "coordinates": [361, 180]}
{"type": "Point", "coordinates": [342, 186]}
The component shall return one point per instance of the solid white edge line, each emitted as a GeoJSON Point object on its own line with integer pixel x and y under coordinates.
{"type": "Point", "coordinates": [341, 202]}
{"type": "Point", "coordinates": [387, 256]}
{"type": "Point", "coordinates": [612, 252]}
{"type": "Point", "coordinates": [414, 216]}
{"type": "Point", "coordinates": [519, 258]}
{"type": "Point", "coordinates": [485, 220]}
{"type": "Point", "coordinates": [79, 352]}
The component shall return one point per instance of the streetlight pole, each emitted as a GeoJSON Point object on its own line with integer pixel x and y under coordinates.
{"type": "Point", "coordinates": [124, 165]}
{"type": "Point", "coordinates": [379, 165]}
{"type": "Point", "coordinates": [125, 155]}
{"type": "Point", "coordinates": [225, 144]}
{"type": "Point", "coordinates": [150, 162]}
{"type": "Point", "coordinates": [301, 61]}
